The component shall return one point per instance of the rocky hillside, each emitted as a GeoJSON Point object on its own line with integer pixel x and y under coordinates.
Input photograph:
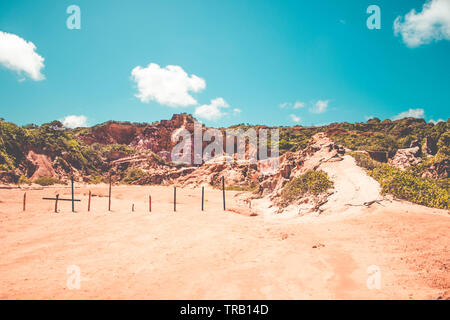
{"type": "Point", "coordinates": [139, 153]}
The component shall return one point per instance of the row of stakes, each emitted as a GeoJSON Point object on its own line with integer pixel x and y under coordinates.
{"type": "Point", "coordinates": [73, 200]}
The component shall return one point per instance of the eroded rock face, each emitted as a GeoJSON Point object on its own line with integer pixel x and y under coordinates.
{"type": "Point", "coordinates": [405, 158]}
{"type": "Point", "coordinates": [236, 173]}
{"type": "Point", "coordinates": [43, 165]}
{"type": "Point", "coordinates": [429, 147]}
{"type": "Point", "coordinates": [439, 170]}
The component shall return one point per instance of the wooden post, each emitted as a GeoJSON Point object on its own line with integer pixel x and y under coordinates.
{"type": "Point", "coordinates": [203, 196]}
{"type": "Point", "coordinates": [56, 203]}
{"type": "Point", "coordinates": [132, 207]}
{"type": "Point", "coordinates": [174, 199]}
{"type": "Point", "coordinates": [73, 202]}
{"type": "Point", "coordinates": [109, 196]}
{"type": "Point", "coordinates": [24, 201]}
{"type": "Point", "coordinates": [149, 203]}
{"type": "Point", "coordinates": [223, 192]}
{"type": "Point", "coordinates": [89, 201]}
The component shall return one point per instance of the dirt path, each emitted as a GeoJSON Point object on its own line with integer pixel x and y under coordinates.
{"type": "Point", "coordinates": [352, 186]}
{"type": "Point", "coordinates": [192, 254]}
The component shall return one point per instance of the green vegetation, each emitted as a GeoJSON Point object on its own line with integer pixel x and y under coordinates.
{"type": "Point", "coordinates": [108, 150]}
{"type": "Point", "coordinates": [311, 182]}
{"type": "Point", "coordinates": [96, 179]}
{"type": "Point", "coordinates": [133, 174]}
{"type": "Point", "coordinates": [47, 181]}
{"type": "Point", "coordinates": [389, 135]}
{"type": "Point", "coordinates": [406, 184]}
{"type": "Point", "coordinates": [23, 180]}
{"type": "Point", "coordinates": [247, 188]}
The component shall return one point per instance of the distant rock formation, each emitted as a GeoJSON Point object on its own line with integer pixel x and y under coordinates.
{"type": "Point", "coordinates": [405, 158]}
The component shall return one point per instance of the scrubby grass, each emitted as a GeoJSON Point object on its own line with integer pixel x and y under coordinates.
{"type": "Point", "coordinates": [133, 174]}
{"type": "Point", "coordinates": [23, 180]}
{"type": "Point", "coordinates": [405, 184]}
{"type": "Point", "coordinates": [389, 135]}
{"type": "Point", "coordinates": [96, 179]}
{"type": "Point", "coordinates": [363, 160]}
{"type": "Point", "coordinates": [47, 181]}
{"type": "Point", "coordinates": [247, 188]}
{"type": "Point", "coordinates": [311, 182]}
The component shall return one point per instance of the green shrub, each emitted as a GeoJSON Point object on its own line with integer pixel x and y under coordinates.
{"type": "Point", "coordinates": [249, 188]}
{"type": "Point", "coordinates": [46, 181]}
{"type": "Point", "coordinates": [311, 182]}
{"type": "Point", "coordinates": [364, 161]}
{"type": "Point", "coordinates": [133, 175]}
{"type": "Point", "coordinates": [23, 180]}
{"type": "Point", "coordinates": [96, 179]}
{"type": "Point", "coordinates": [406, 185]}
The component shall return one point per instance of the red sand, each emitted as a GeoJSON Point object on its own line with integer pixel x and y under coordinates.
{"type": "Point", "coordinates": [214, 254]}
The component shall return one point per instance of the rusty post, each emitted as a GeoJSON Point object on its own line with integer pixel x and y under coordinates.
{"type": "Point", "coordinates": [223, 192]}
{"type": "Point", "coordinates": [24, 201]}
{"type": "Point", "coordinates": [73, 202]}
{"type": "Point", "coordinates": [132, 207]}
{"type": "Point", "coordinates": [174, 199]}
{"type": "Point", "coordinates": [89, 201]}
{"type": "Point", "coordinates": [203, 196]}
{"type": "Point", "coordinates": [109, 196]}
{"type": "Point", "coordinates": [56, 203]}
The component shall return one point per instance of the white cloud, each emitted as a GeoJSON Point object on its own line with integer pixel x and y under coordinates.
{"type": "Point", "coordinates": [295, 105]}
{"type": "Point", "coordinates": [237, 111]}
{"type": "Point", "coordinates": [436, 121]}
{"type": "Point", "coordinates": [73, 121]}
{"type": "Point", "coordinates": [19, 55]}
{"type": "Point", "coordinates": [411, 113]}
{"type": "Point", "coordinates": [212, 111]}
{"type": "Point", "coordinates": [299, 105]}
{"type": "Point", "coordinates": [169, 86]}
{"type": "Point", "coordinates": [295, 118]}
{"type": "Point", "coordinates": [433, 23]}
{"type": "Point", "coordinates": [320, 106]}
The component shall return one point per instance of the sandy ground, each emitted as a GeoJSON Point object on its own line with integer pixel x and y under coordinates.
{"type": "Point", "coordinates": [214, 254]}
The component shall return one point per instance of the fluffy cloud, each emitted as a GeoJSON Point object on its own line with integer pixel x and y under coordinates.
{"type": "Point", "coordinates": [295, 118]}
{"type": "Point", "coordinates": [299, 105]}
{"type": "Point", "coordinates": [320, 106]}
{"type": "Point", "coordinates": [433, 23]}
{"type": "Point", "coordinates": [19, 55]}
{"type": "Point", "coordinates": [212, 111]}
{"type": "Point", "coordinates": [295, 105]}
{"type": "Point", "coordinates": [169, 86]}
{"type": "Point", "coordinates": [411, 113]}
{"type": "Point", "coordinates": [237, 111]}
{"type": "Point", "coordinates": [436, 121]}
{"type": "Point", "coordinates": [73, 121]}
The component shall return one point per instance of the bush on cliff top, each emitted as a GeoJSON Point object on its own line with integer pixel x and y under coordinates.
{"type": "Point", "coordinates": [133, 174]}
{"type": "Point", "coordinates": [47, 181]}
{"type": "Point", "coordinates": [405, 184]}
{"type": "Point", "coordinates": [311, 182]}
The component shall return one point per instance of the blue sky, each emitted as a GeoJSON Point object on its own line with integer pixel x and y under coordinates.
{"type": "Point", "coordinates": [237, 61]}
